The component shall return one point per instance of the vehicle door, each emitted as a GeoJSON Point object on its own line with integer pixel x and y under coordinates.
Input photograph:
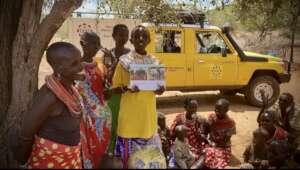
{"type": "Point", "coordinates": [211, 68]}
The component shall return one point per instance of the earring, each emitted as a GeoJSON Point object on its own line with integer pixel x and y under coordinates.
{"type": "Point", "coordinates": [58, 76]}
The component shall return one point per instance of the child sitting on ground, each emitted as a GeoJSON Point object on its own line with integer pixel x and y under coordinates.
{"type": "Point", "coordinates": [184, 157]}
{"type": "Point", "coordinates": [164, 133]}
{"type": "Point", "coordinates": [255, 153]}
{"type": "Point", "coordinates": [278, 153]}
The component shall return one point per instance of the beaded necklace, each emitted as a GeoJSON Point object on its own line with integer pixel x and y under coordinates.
{"type": "Point", "coordinates": [72, 101]}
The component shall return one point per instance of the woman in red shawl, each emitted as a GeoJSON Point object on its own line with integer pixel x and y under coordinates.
{"type": "Point", "coordinates": [222, 127]}
{"type": "Point", "coordinates": [96, 125]}
{"type": "Point", "coordinates": [197, 126]}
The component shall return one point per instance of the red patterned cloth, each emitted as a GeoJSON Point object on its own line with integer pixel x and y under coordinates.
{"type": "Point", "coordinates": [196, 145]}
{"type": "Point", "coordinates": [95, 128]}
{"type": "Point", "coordinates": [217, 158]}
{"type": "Point", "coordinates": [280, 134]}
{"type": "Point", "coordinates": [221, 130]}
{"type": "Point", "coordinates": [48, 154]}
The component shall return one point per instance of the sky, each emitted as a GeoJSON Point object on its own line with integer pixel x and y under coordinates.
{"type": "Point", "coordinates": [88, 6]}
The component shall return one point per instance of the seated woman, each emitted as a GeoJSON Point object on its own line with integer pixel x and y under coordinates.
{"type": "Point", "coordinates": [222, 127]}
{"type": "Point", "coordinates": [197, 126]}
{"type": "Point", "coordinates": [288, 117]}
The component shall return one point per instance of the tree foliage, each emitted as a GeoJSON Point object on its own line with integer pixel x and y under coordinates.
{"type": "Point", "coordinates": [219, 17]}
{"type": "Point", "coordinates": [268, 15]}
{"type": "Point", "coordinates": [157, 11]}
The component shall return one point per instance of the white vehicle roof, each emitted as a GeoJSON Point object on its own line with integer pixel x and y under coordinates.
{"type": "Point", "coordinates": [184, 26]}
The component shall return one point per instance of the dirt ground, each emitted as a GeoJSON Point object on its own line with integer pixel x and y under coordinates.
{"type": "Point", "coordinates": [171, 102]}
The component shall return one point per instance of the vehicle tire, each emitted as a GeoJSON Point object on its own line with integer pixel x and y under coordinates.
{"type": "Point", "coordinates": [267, 83]}
{"type": "Point", "coordinates": [228, 92]}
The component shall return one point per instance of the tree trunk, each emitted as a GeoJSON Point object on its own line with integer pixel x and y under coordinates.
{"type": "Point", "coordinates": [293, 32]}
{"type": "Point", "coordinates": [28, 47]}
{"type": "Point", "coordinates": [10, 11]}
{"type": "Point", "coordinates": [292, 45]}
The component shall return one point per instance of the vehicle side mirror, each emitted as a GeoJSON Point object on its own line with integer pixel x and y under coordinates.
{"type": "Point", "coordinates": [224, 52]}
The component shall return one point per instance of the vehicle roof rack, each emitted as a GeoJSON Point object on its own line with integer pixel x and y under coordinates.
{"type": "Point", "coordinates": [192, 17]}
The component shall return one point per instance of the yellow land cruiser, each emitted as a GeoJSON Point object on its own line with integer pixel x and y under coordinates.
{"type": "Point", "coordinates": [207, 58]}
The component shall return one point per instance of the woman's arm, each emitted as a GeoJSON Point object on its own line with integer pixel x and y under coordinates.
{"type": "Point", "coordinates": [41, 108]}
{"type": "Point", "coordinates": [264, 106]}
{"type": "Point", "coordinates": [120, 90]}
{"type": "Point", "coordinates": [160, 90]}
{"type": "Point", "coordinates": [117, 81]}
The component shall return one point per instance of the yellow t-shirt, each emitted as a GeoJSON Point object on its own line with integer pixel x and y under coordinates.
{"type": "Point", "coordinates": [137, 115]}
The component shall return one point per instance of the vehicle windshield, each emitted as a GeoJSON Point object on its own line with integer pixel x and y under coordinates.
{"type": "Point", "coordinates": [210, 42]}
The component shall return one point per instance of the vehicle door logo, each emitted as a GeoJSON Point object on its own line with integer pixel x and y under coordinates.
{"type": "Point", "coordinates": [215, 72]}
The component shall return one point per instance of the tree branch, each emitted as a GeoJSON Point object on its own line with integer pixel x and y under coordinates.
{"type": "Point", "coordinates": [60, 11]}
{"type": "Point", "coordinates": [29, 21]}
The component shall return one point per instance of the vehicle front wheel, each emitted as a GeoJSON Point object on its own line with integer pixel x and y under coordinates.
{"type": "Point", "coordinates": [267, 83]}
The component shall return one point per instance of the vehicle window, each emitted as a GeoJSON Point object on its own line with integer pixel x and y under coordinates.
{"type": "Point", "coordinates": [168, 41]}
{"type": "Point", "coordinates": [210, 42]}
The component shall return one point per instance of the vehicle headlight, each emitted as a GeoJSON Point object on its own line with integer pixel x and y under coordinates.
{"type": "Point", "coordinates": [283, 64]}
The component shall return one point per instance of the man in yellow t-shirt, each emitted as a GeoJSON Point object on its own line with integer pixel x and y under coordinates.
{"type": "Point", "coordinates": [137, 123]}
